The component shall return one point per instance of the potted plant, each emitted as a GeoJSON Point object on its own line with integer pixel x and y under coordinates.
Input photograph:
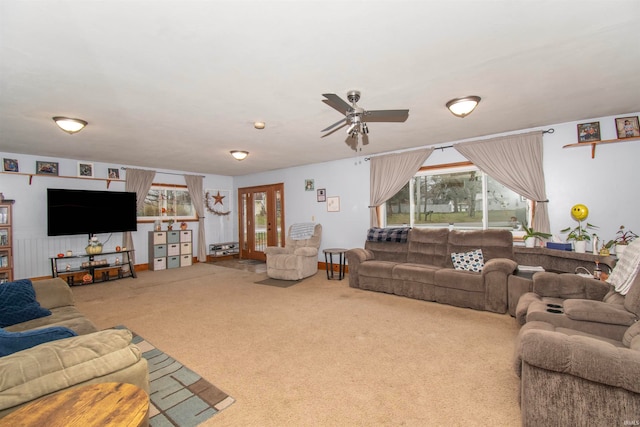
{"type": "Point", "coordinates": [579, 234]}
{"type": "Point", "coordinates": [530, 236]}
{"type": "Point", "coordinates": [623, 238]}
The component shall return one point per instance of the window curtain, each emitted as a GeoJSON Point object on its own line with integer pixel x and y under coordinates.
{"type": "Point", "coordinates": [389, 173]}
{"type": "Point", "coordinates": [196, 191]}
{"type": "Point", "coordinates": [137, 181]}
{"type": "Point", "coordinates": [515, 161]}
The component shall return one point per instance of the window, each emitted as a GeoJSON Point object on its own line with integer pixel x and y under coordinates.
{"type": "Point", "coordinates": [461, 195]}
{"type": "Point", "coordinates": [165, 201]}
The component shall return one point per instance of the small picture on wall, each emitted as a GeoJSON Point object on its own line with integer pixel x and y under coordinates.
{"type": "Point", "coordinates": [46, 168]}
{"type": "Point", "coordinates": [11, 165]}
{"type": "Point", "coordinates": [114, 173]}
{"type": "Point", "coordinates": [308, 185]}
{"type": "Point", "coordinates": [322, 195]}
{"type": "Point", "coordinates": [333, 204]}
{"type": "Point", "coordinates": [85, 170]}
{"type": "Point", "coordinates": [589, 132]}
{"type": "Point", "coordinates": [628, 127]}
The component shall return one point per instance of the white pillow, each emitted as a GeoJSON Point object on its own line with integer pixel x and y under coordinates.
{"type": "Point", "coordinates": [468, 261]}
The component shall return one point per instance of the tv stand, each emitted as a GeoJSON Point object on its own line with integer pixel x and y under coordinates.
{"type": "Point", "coordinates": [85, 269]}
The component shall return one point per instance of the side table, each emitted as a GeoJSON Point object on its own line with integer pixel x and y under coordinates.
{"type": "Point", "coordinates": [95, 405]}
{"type": "Point", "coordinates": [328, 262]}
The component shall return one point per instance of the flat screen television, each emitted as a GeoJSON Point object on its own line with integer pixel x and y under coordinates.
{"type": "Point", "coordinates": [90, 212]}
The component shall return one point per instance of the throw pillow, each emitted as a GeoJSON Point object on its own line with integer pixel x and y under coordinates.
{"type": "Point", "coordinates": [19, 303]}
{"type": "Point", "coordinates": [11, 342]}
{"type": "Point", "coordinates": [468, 261]}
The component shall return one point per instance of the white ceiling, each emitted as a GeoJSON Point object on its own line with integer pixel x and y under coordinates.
{"type": "Point", "coordinates": [178, 84]}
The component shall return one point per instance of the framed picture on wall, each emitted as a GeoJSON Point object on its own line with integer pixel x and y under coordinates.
{"type": "Point", "coordinates": [333, 204]}
{"type": "Point", "coordinates": [589, 132]}
{"type": "Point", "coordinates": [10, 165]}
{"type": "Point", "coordinates": [46, 168]}
{"type": "Point", "coordinates": [628, 127]}
{"type": "Point", "coordinates": [113, 173]}
{"type": "Point", "coordinates": [322, 195]}
{"type": "Point", "coordinates": [85, 170]}
{"type": "Point", "coordinates": [308, 185]}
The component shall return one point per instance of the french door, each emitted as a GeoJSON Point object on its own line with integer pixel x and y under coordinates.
{"type": "Point", "coordinates": [261, 219]}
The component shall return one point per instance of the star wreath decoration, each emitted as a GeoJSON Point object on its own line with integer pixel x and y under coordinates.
{"type": "Point", "coordinates": [216, 199]}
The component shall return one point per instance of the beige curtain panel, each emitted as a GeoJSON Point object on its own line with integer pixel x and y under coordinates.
{"type": "Point", "coordinates": [196, 191]}
{"type": "Point", "coordinates": [137, 181]}
{"type": "Point", "coordinates": [389, 174]}
{"type": "Point", "coordinates": [515, 161]}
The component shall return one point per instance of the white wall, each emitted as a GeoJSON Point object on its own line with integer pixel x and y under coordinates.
{"type": "Point", "coordinates": [608, 185]}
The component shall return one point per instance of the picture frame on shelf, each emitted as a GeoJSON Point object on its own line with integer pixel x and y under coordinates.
{"type": "Point", "coordinates": [589, 132]}
{"type": "Point", "coordinates": [113, 173]}
{"type": "Point", "coordinates": [10, 165]}
{"type": "Point", "coordinates": [322, 195]}
{"type": "Point", "coordinates": [46, 168]}
{"type": "Point", "coordinates": [85, 170]}
{"type": "Point", "coordinates": [333, 204]}
{"type": "Point", "coordinates": [627, 127]}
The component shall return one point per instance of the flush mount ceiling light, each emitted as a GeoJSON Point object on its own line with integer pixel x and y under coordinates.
{"type": "Point", "coordinates": [239, 155]}
{"type": "Point", "coordinates": [70, 126]}
{"type": "Point", "coordinates": [462, 107]}
{"type": "Point", "coordinates": [259, 125]}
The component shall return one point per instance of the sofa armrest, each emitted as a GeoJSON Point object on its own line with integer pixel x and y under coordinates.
{"type": "Point", "coordinates": [569, 286]}
{"type": "Point", "coordinates": [57, 365]}
{"type": "Point", "coordinates": [355, 257]}
{"type": "Point", "coordinates": [580, 356]}
{"type": "Point", "coordinates": [53, 293]}
{"type": "Point", "coordinates": [504, 265]}
{"type": "Point", "coordinates": [598, 311]}
{"type": "Point", "coordinates": [306, 251]}
{"type": "Point", "coordinates": [276, 250]}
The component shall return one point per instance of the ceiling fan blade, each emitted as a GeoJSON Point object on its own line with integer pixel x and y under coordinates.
{"type": "Point", "coordinates": [334, 101]}
{"type": "Point", "coordinates": [335, 124]}
{"type": "Point", "coordinates": [386, 116]}
{"type": "Point", "coordinates": [365, 139]}
{"type": "Point", "coordinates": [334, 130]}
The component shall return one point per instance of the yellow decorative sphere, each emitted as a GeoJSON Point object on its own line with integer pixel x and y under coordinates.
{"type": "Point", "coordinates": [579, 212]}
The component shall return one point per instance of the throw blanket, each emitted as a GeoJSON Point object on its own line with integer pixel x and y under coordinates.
{"type": "Point", "coordinates": [391, 234]}
{"type": "Point", "coordinates": [302, 230]}
{"type": "Point", "coordinates": [626, 270]}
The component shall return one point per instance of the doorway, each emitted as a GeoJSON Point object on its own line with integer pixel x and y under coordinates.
{"type": "Point", "coordinates": [261, 219]}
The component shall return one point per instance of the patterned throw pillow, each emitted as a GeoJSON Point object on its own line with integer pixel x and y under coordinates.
{"type": "Point", "coordinates": [19, 303]}
{"type": "Point", "coordinates": [468, 261]}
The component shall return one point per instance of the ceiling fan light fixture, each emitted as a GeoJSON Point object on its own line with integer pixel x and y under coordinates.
{"type": "Point", "coordinates": [239, 155]}
{"type": "Point", "coordinates": [462, 107]}
{"type": "Point", "coordinates": [69, 125]}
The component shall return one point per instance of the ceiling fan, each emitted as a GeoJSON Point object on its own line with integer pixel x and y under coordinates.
{"type": "Point", "coordinates": [357, 117]}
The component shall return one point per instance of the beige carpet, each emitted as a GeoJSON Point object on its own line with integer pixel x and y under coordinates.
{"type": "Point", "coordinates": [320, 353]}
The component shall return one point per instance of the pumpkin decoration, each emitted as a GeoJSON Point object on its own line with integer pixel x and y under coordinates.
{"type": "Point", "coordinates": [87, 278]}
{"type": "Point", "coordinates": [94, 247]}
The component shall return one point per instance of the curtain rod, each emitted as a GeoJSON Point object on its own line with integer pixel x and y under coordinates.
{"type": "Point", "coordinates": [552, 130]}
{"type": "Point", "coordinates": [167, 173]}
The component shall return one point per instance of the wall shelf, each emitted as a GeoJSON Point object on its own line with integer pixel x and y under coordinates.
{"type": "Point", "coordinates": [31, 175]}
{"type": "Point", "coordinates": [594, 143]}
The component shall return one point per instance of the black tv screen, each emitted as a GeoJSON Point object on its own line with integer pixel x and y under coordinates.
{"type": "Point", "coordinates": [90, 212]}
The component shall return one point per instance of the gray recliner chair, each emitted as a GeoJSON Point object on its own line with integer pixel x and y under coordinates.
{"type": "Point", "coordinates": [297, 259]}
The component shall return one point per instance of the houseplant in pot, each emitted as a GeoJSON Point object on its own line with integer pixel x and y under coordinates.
{"type": "Point", "coordinates": [580, 235]}
{"type": "Point", "coordinates": [623, 238]}
{"type": "Point", "coordinates": [531, 236]}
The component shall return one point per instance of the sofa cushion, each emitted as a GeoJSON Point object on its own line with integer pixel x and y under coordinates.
{"type": "Point", "coordinates": [494, 243]}
{"type": "Point", "coordinates": [12, 342]}
{"type": "Point", "coordinates": [415, 273]}
{"type": "Point", "coordinates": [429, 246]}
{"type": "Point", "coordinates": [468, 261]}
{"type": "Point", "coordinates": [69, 317]}
{"type": "Point", "coordinates": [57, 365]}
{"type": "Point", "coordinates": [19, 303]}
{"type": "Point", "coordinates": [373, 268]}
{"type": "Point", "coordinates": [460, 280]}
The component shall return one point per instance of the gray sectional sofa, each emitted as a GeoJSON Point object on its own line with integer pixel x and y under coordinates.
{"type": "Point", "coordinates": [90, 357]}
{"type": "Point", "coordinates": [421, 266]}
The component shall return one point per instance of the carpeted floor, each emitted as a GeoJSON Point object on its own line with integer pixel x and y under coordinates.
{"type": "Point", "coordinates": [320, 353]}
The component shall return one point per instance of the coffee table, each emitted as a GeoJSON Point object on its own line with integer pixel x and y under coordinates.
{"type": "Point", "coordinates": [104, 404]}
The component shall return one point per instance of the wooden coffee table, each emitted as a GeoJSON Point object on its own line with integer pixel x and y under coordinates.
{"type": "Point", "coordinates": [104, 404]}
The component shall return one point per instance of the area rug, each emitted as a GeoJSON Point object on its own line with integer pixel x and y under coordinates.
{"type": "Point", "coordinates": [278, 283]}
{"type": "Point", "coordinates": [178, 396]}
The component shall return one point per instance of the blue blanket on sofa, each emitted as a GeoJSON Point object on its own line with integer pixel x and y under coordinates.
{"type": "Point", "coordinates": [389, 234]}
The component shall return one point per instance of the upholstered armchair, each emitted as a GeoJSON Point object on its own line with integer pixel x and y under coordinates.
{"type": "Point", "coordinates": [299, 257]}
